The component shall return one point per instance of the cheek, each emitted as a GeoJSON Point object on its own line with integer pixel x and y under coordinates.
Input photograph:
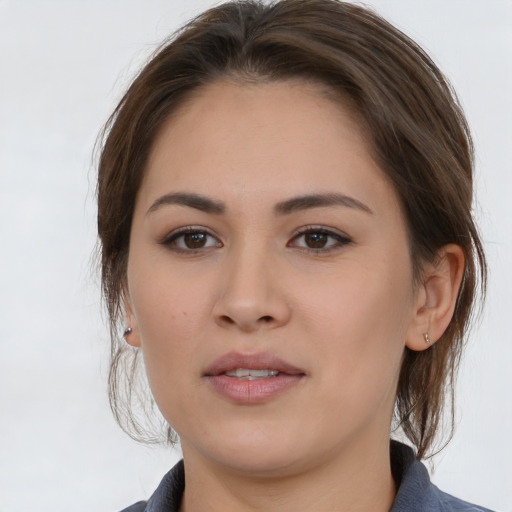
{"type": "Point", "coordinates": [170, 316]}
{"type": "Point", "coordinates": [358, 321]}
{"type": "Point", "coordinates": [170, 313]}
{"type": "Point", "coordinates": [359, 299]}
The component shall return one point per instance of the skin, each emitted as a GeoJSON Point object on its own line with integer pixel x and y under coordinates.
{"type": "Point", "coordinates": [342, 313]}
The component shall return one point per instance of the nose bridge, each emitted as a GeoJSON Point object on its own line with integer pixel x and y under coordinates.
{"type": "Point", "coordinates": [251, 295]}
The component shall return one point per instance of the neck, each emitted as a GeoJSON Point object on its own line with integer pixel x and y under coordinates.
{"type": "Point", "coordinates": [358, 481]}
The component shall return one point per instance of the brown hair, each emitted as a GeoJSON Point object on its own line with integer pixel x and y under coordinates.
{"type": "Point", "coordinates": [417, 130]}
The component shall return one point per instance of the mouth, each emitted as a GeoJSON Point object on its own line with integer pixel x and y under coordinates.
{"type": "Point", "coordinates": [251, 366]}
{"type": "Point", "coordinates": [248, 374]}
{"type": "Point", "coordinates": [252, 378]}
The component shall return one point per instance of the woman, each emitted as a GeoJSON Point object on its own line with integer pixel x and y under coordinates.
{"type": "Point", "coordinates": [284, 213]}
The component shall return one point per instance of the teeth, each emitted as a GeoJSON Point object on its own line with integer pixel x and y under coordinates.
{"type": "Point", "coordinates": [246, 374]}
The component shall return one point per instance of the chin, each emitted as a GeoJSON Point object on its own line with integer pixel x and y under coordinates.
{"type": "Point", "coordinates": [262, 462]}
{"type": "Point", "coordinates": [253, 450]}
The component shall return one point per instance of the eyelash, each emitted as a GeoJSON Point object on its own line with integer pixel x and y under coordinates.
{"type": "Point", "coordinates": [171, 239]}
{"type": "Point", "coordinates": [340, 240]}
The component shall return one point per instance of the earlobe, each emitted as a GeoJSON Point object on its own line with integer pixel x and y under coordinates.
{"type": "Point", "coordinates": [436, 298]}
{"type": "Point", "coordinates": [131, 331]}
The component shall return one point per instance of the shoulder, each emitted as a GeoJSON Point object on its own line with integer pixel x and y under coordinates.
{"type": "Point", "coordinates": [140, 506]}
{"type": "Point", "coordinates": [449, 503]}
{"type": "Point", "coordinates": [416, 491]}
{"type": "Point", "coordinates": [167, 495]}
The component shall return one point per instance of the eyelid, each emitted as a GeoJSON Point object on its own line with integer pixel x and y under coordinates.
{"type": "Point", "coordinates": [175, 234]}
{"type": "Point", "coordinates": [342, 238]}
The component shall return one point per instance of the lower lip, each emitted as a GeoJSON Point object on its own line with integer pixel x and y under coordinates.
{"type": "Point", "coordinates": [253, 391]}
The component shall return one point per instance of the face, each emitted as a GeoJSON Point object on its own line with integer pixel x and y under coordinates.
{"type": "Point", "coordinates": [269, 279]}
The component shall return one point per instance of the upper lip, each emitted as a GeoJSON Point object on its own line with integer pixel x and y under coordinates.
{"type": "Point", "coordinates": [260, 361]}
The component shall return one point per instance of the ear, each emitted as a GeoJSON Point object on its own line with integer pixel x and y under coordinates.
{"type": "Point", "coordinates": [436, 297]}
{"type": "Point", "coordinates": [132, 337]}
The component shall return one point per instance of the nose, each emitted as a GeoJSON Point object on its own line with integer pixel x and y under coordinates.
{"type": "Point", "coordinates": [252, 295]}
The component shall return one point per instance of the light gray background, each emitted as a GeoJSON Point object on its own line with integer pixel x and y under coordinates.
{"type": "Point", "coordinates": [63, 66]}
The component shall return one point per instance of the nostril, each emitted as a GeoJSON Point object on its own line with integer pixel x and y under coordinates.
{"type": "Point", "coordinates": [246, 321]}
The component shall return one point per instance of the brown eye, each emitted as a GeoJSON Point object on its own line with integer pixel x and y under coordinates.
{"type": "Point", "coordinates": [190, 239]}
{"type": "Point", "coordinates": [195, 240]}
{"type": "Point", "coordinates": [319, 240]}
{"type": "Point", "coordinates": [316, 240]}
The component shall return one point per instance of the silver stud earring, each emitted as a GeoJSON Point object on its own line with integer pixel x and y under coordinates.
{"type": "Point", "coordinates": [127, 331]}
{"type": "Point", "coordinates": [427, 339]}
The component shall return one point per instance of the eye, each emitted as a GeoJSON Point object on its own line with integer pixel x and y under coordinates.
{"type": "Point", "coordinates": [191, 239]}
{"type": "Point", "coordinates": [319, 239]}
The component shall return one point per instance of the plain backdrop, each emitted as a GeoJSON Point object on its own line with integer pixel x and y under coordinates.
{"type": "Point", "coordinates": [63, 67]}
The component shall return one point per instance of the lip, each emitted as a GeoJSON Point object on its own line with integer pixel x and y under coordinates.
{"type": "Point", "coordinates": [252, 391]}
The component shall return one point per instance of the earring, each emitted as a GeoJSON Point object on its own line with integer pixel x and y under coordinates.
{"type": "Point", "coordinates": [427, 339]}
{"type": "Point", "coordinates": [127, 331]}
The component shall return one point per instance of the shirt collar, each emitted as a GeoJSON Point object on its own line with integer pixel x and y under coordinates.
{"type": "Point", "coordinates": [415, 491]}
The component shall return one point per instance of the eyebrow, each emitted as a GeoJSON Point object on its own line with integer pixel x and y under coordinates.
{"type": "Point", "coordinates": [205, 204]}
{"type": "Point", "coordinates": [306, 202]}
{"type": "Point", "coordinates": [295, 204]}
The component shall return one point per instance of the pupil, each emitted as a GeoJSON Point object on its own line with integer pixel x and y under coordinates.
{"type": "Point", "coordinates": [316, 240]}
{"type": "Point", "coordinates": [195, 240]}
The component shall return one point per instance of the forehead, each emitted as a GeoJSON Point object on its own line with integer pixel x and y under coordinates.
{"type": "Point", "coordinates": [264, 139]}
